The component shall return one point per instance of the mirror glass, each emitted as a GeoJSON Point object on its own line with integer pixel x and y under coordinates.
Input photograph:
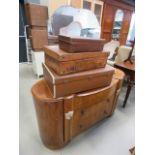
{"type": "Point", "coordinates": [66, 17]}
{"type": "Point", "coordinates": [117, 24]}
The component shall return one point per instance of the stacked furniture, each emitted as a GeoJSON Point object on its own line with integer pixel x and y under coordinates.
{"type": "Point", "coordinates": [77, 91]}
{"type": "Point", "coordinates": [37, 19]}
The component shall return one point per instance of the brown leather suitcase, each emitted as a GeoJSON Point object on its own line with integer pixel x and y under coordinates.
{"type": "Point", "coordinates": [55, 59]}
{"type": "Point", "coordinates": [80, 44]}
{"type": "Point", "coordinates": [78, 82]}
{"type": "Point", "coordinates": [62, 119]}
{"type": "Point", "coordinates": [37, 15]}
{"type": "Point", "coordinates": [39, 38]}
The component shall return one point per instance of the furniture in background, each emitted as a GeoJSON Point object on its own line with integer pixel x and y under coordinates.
{"type": "Point", "coordinates": [96, 6]}
{"type": "Point", "coordinates": [37, 17]}
{"type": "Point", "coordinates": [111, 47]}
{"type": "Point", "coordinates": [37, 60]}
{"type": "Point", "coordinates": [129, 70]}
{"type": "Point", "coordinates": [132, 52]}
{"type": "Point", "coordinates": [121, 54]}
{"type": "Point", "coordinates": [109, 23]}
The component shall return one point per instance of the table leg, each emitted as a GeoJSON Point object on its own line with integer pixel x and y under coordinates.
{"type": "Point", "coordinates": [130, 84]}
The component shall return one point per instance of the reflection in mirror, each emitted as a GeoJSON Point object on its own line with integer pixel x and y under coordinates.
{"type": "Point", "coordinates": [117, 24]}
{"type": "Point", "coordinates": [73, 21]}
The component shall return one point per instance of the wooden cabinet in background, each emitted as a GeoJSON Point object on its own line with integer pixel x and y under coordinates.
{"type": "Point", "coordinates": [125, 26]}
{"type": "Point", "coordinates": [109, 12]}
{"type": "Point", "coordinates": [107, 22]}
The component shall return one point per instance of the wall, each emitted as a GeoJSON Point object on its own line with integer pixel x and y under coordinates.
{"type": "Point", "coordinates": [54, 4]}
{"type": "Point", "coordinates": [44, 2]}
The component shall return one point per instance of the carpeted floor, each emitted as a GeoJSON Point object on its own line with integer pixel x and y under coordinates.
{"type": "Point", "coordinates": [113, 136]}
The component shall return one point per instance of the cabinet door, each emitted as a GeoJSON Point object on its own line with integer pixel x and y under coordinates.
{"type": "Point", "coordinates": [125, 27]}
{"type": "Point", "coordinates": [85, 109]}
{"type": "Point", "coordinates": [108, 21]}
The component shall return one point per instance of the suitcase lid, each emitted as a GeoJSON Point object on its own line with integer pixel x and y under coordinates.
{"type": "Point", "coordinates": [60, 55]}
{"type": "Point", "coordinates": [80, 40]}
{"type": "Point", "coordinates": [57, 79]}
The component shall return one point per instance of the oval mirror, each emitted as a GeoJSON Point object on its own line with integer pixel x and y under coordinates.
{"type": "Point", "coordinates": [117, 24]}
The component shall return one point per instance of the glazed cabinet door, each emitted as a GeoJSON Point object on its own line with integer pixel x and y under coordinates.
{"type": "Point", "coordinates": [108, 21]}
{"type": "Point", "coordinates": [125, 27]}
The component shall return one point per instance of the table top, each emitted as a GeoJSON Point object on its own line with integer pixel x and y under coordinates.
{"type": "Point", "coordinates": [126, 65]}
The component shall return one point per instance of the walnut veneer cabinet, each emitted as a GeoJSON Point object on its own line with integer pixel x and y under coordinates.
{"type": "Point", "coordinates": [63, 118]}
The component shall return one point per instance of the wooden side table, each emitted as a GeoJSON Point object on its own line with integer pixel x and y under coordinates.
{"type": "Point", "coordinates": [129, 70]}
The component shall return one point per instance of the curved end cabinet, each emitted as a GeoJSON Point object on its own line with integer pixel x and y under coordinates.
{"type": "Point", "coordinates": [49, 114]}
{"type": "Point", "coordinates": [63, 118]}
